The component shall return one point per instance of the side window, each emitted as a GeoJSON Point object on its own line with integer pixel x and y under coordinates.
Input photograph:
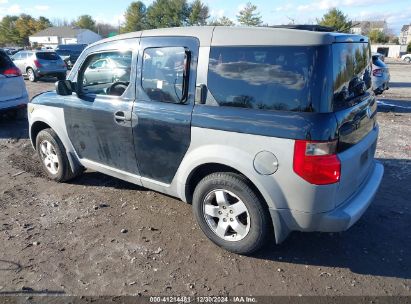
{"type": "Point", "coordinates": [165, 74]}
{"type": "Point", "coordinates": [17, 56]}
{"type": "Point", "coordinates": [266, 78]}
{"type": "Point", "coordinates": [106, 73]}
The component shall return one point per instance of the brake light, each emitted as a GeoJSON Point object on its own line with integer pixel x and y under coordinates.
{"type": "Point", "coordinates": [317, 162]}
{"type": "Point", "coordinates": [377, 73]}
{"type": "Point", "coordinates": [12, 72]}
{"type": "Point", "coordinates": [37, 64]}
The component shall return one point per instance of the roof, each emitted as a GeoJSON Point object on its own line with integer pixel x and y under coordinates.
{"type": "Point", "coordinates": [405, 28]}
{"type": "Point", "coordinates": [60, 31]}
{"type": "Point", "coordinates": [224, 35]}
{"type": "Point", "coordinates": [371, 24]}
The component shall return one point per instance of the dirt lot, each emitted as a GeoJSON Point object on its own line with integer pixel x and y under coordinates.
{"type": "Point", "coordinates": [66, 238]}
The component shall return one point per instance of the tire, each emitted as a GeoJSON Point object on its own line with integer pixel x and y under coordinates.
{"type": "Point", "coordinates": [407, 59]}
{"type": "Point", "coordinates": [31, 75]}
{"type": "Point", "coordinates": [53, 158]}
{"type": "Point", "coordinates": [240, 222]}
{"type": "Point", "coordinates": [61, 76]}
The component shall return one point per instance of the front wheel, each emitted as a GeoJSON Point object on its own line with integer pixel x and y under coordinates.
{"type": "Point", "coordinates": [53, 156]}
{"type": "Point", "coordinates": [230, 213]}
{"type": "Point", "coordinates": [407, 59]}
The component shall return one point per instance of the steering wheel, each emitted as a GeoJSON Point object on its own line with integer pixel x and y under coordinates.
{"type": "Point", "coordinates": [117, 88]}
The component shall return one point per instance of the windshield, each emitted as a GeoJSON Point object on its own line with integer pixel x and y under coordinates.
{"type": "Point", "coordinates": [47, 56]}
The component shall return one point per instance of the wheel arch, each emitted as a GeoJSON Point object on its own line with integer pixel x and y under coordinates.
{"type": "Point", "coordinates": [38, 124]}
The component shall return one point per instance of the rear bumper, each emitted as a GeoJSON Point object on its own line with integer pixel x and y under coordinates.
{"type": "Point", "coordinates": [338, 219]}
{"type": "Point", "coordinates": [41, 72]}
{"type": "Point", "coordinates": [14, 103]}
{"type": "Point", "coordinates": [380, 84]}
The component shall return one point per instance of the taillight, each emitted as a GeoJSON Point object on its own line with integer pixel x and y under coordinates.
{"type": "Point", "coordinates": [317, 162]}
{"type": "Point", "coordinates": [377, 73]}
{"type": "Point", "coordinates": [37, 63]}
{"type": "Point", "coordinates": [12, 72]}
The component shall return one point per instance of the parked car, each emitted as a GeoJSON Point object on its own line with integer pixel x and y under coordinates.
{"type": "Point", "coordinates": [37, 64]}
{"type": "Point", "coordinates": [380, 75]}
{"type": "Point", "coordinates": [247, 124]}
{"type": "Point", "coordinates": [70, 52]}
{"type": "Point", "coordinates": [13, 93]}
{"type": "Point", "coordinates": [406, 57]}
{"type": "Point", "coordinates": [108, 70]}
{"type": "Point", "coordinates": [379, 56]}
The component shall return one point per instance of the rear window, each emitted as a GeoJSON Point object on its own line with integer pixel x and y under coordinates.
{"type": "Point", "coordinates": [268, 78]}
{"type": "Point", "coordinates": [351, 73]}
{"type": "Point", "coordinates": [47, 56]}
{"type": "Point", "coordinates": [63, 52]}
{"type": "Point", "coordinates": [5, 61]}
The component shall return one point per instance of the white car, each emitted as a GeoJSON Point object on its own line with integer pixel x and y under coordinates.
{"type": "Point", "coordinates": [406, 57]}
{"type": "Point", "coordinates": [13, 93]}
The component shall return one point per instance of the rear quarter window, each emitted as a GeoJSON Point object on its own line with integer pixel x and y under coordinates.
{"type": "Point", "coordinates": [268, 78]}
{"type": "Point", "coordinates": [5, 62]}
{"type": "Point", "coordinates": [48, 56]}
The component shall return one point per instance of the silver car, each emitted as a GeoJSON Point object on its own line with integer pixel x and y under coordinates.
{"type": "Point", "coordinates": [380, 75]}
{"type": "Point", "coordinates": [13, 93]}
{"type": "Point", "coordinates": [37, 64]}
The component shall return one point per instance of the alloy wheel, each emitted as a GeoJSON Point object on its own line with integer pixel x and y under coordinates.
{"type": "Point", "coordinates": [49, 157]}
{"type": "Point", "coordinates": [226, 215]}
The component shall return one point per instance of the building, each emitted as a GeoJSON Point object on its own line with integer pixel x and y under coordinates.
{"type": "Point", "coordinates": [53, 36]}
{"type": "Point", "coordinates": [405, 34]}
{"type": "Point", "coordinates": [364, 27]}
{"type": "Point", "coordinates": [389, 50]}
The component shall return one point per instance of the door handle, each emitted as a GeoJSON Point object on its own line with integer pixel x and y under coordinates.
{"type": "Point", "coordinates": [121, 116]}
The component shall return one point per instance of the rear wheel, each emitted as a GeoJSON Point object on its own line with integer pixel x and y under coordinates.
{"type": "Point", "coordinates": [53, 156]}
{"type": "Point", "coordinates": [31, 75]}
{"type": "Point", "coordinates": [230, 213]}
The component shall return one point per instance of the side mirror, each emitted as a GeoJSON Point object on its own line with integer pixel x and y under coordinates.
{"type": "Point", "coordinates": [64, 87]}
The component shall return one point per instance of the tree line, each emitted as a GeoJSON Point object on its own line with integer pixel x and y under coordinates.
{"type": "Point", "coordinates": [15, 30]}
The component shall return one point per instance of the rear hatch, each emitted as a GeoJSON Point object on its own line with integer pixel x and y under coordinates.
{"type": "Point", "coordinates": [355, 109]}
{"type": "Point", "coordinates": [50, 61]}
{"type": "Point", "coordinates": [10, 82]}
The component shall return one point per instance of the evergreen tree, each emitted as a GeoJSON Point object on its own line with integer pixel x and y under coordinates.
{"type": "Point", "coordinates": [248, 16]}
{"type": "Point", "coordinates": [135, 17]}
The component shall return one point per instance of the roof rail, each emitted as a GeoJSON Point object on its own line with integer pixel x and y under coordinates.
{"type": "Point", "coordinates": [306, 27]}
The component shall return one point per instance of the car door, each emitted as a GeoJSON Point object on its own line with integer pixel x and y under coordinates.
{"type": "Point", "coordinates": [19, 60]}
{"type": "Point", "coordinates": [99, 122]}
{"type": "Point", "coordinates": [162, 111]}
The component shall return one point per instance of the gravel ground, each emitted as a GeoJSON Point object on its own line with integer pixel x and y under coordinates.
{"type": "Point", "coordinates": [66, 238]}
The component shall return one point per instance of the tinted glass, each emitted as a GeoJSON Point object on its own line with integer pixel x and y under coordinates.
{"type": "Point", "coordinates": [163, 73]}
{"type": "Point", "coordinates": [5, 61]}
{"type": "Point", "coordinates": [352, 73]}
{"type": "Point", "coordinates": [63, 52]}
{"type": "Point", "coordinates": [47, 56]}
{"type": "Point", "coordinates": [106, 73]}
{"type": "Point", "coordinates": [269, 78]}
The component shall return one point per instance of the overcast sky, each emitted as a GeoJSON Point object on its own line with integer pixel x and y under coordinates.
{"type": "Point", "coordinates": [395, 12]}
